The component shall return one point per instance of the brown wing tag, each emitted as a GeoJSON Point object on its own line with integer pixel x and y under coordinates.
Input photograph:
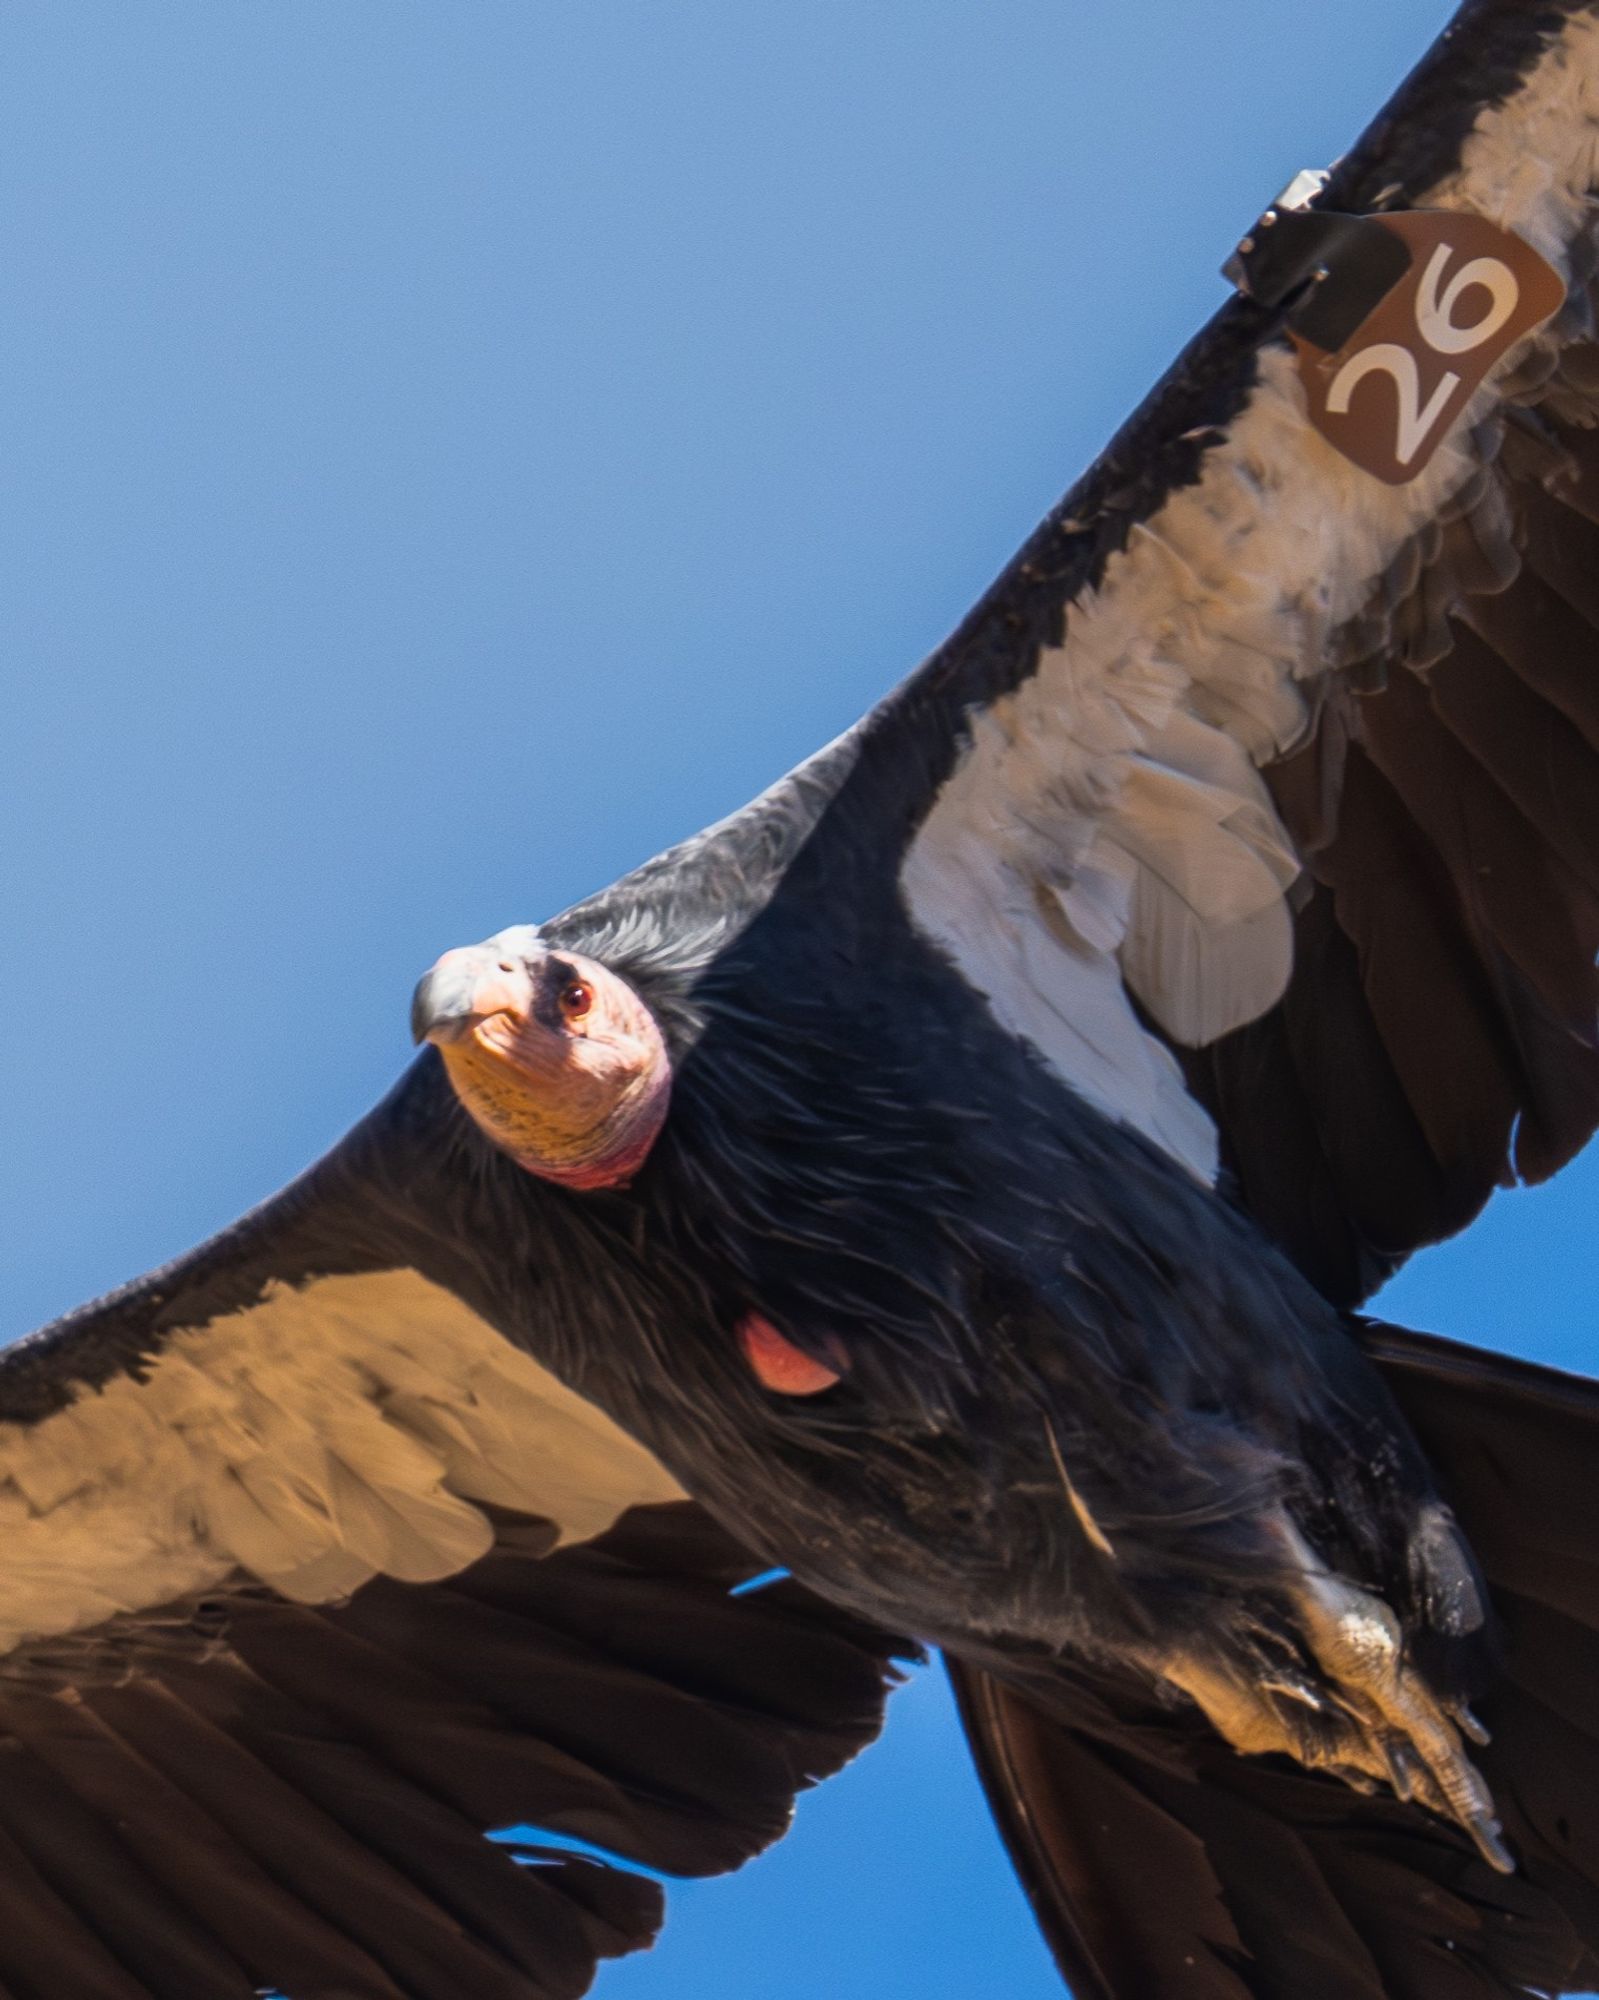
{"type": "Point", "coordinates": [1389, 396]}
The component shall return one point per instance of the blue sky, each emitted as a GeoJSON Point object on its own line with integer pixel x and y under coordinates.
{"type": "Point", "coordinates": [452, 451]}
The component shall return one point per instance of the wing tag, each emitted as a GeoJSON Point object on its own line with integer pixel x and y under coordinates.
{"type": "Point", "coordinates": [1390, 392]}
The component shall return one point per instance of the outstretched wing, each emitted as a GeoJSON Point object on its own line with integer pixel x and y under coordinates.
{"type": "Point", "coordinates": [318, 1396]}
{"type": "Point", "coordinates": [234, 1793]}
{"type": "Point", "coordinates": [313, 1580]}
{"type": "Point", "coordinates": [1261, 796]}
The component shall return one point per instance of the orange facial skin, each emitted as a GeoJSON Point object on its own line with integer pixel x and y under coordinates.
{"type": "Point", "coordinates": [557, 1060]}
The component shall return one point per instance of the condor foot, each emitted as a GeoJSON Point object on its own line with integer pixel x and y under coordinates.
{"type": "Point", "coordinates": [1354, 1708]}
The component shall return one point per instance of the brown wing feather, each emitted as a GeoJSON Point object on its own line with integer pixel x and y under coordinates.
{"type": "Point", "coordinates": [1449, 815]}
{"type": "Point", "coordinates": [239, 1793]}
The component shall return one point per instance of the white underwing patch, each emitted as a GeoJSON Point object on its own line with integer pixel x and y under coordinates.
{"type": "Point", "coordinates": [1106, 830]}
{"type": "Point", "coordinates": [324, 1436]}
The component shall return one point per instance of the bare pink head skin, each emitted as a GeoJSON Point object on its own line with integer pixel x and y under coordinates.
{"type": "Point", "coordinates": [557, 1060]}
{"type": "Point", "coordinates": [778, 1364]}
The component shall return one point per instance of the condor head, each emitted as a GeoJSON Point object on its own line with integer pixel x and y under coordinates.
{"type": "Point", "coordinates": [557, 1060]}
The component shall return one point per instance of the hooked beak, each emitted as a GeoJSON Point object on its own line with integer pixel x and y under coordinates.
{"type": "Point", "coordinates": [467, 986]}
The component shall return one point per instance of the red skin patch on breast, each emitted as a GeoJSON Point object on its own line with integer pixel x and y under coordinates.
{"type": "Point", "coordinates": [778, 1364]}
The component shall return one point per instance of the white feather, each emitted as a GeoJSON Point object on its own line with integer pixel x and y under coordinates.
{"type": "Point", "coordinates": [324, 1436]}
{"type": "Point", "coordinates": [1105, 831]}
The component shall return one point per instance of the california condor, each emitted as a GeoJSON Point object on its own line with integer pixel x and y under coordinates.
{"type": "Point", "coordinates": [959, 1172]}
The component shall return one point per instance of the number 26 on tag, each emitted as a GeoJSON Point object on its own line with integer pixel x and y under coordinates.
{"type": "Point", "coordinates": [1389, 396]}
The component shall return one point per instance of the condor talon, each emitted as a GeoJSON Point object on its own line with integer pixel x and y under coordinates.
{"type": "Point", "coordinates": [1487, 1833]}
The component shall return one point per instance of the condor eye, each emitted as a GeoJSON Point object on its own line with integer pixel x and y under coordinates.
{"type": "Point", "coordinates": [576, 1000]}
